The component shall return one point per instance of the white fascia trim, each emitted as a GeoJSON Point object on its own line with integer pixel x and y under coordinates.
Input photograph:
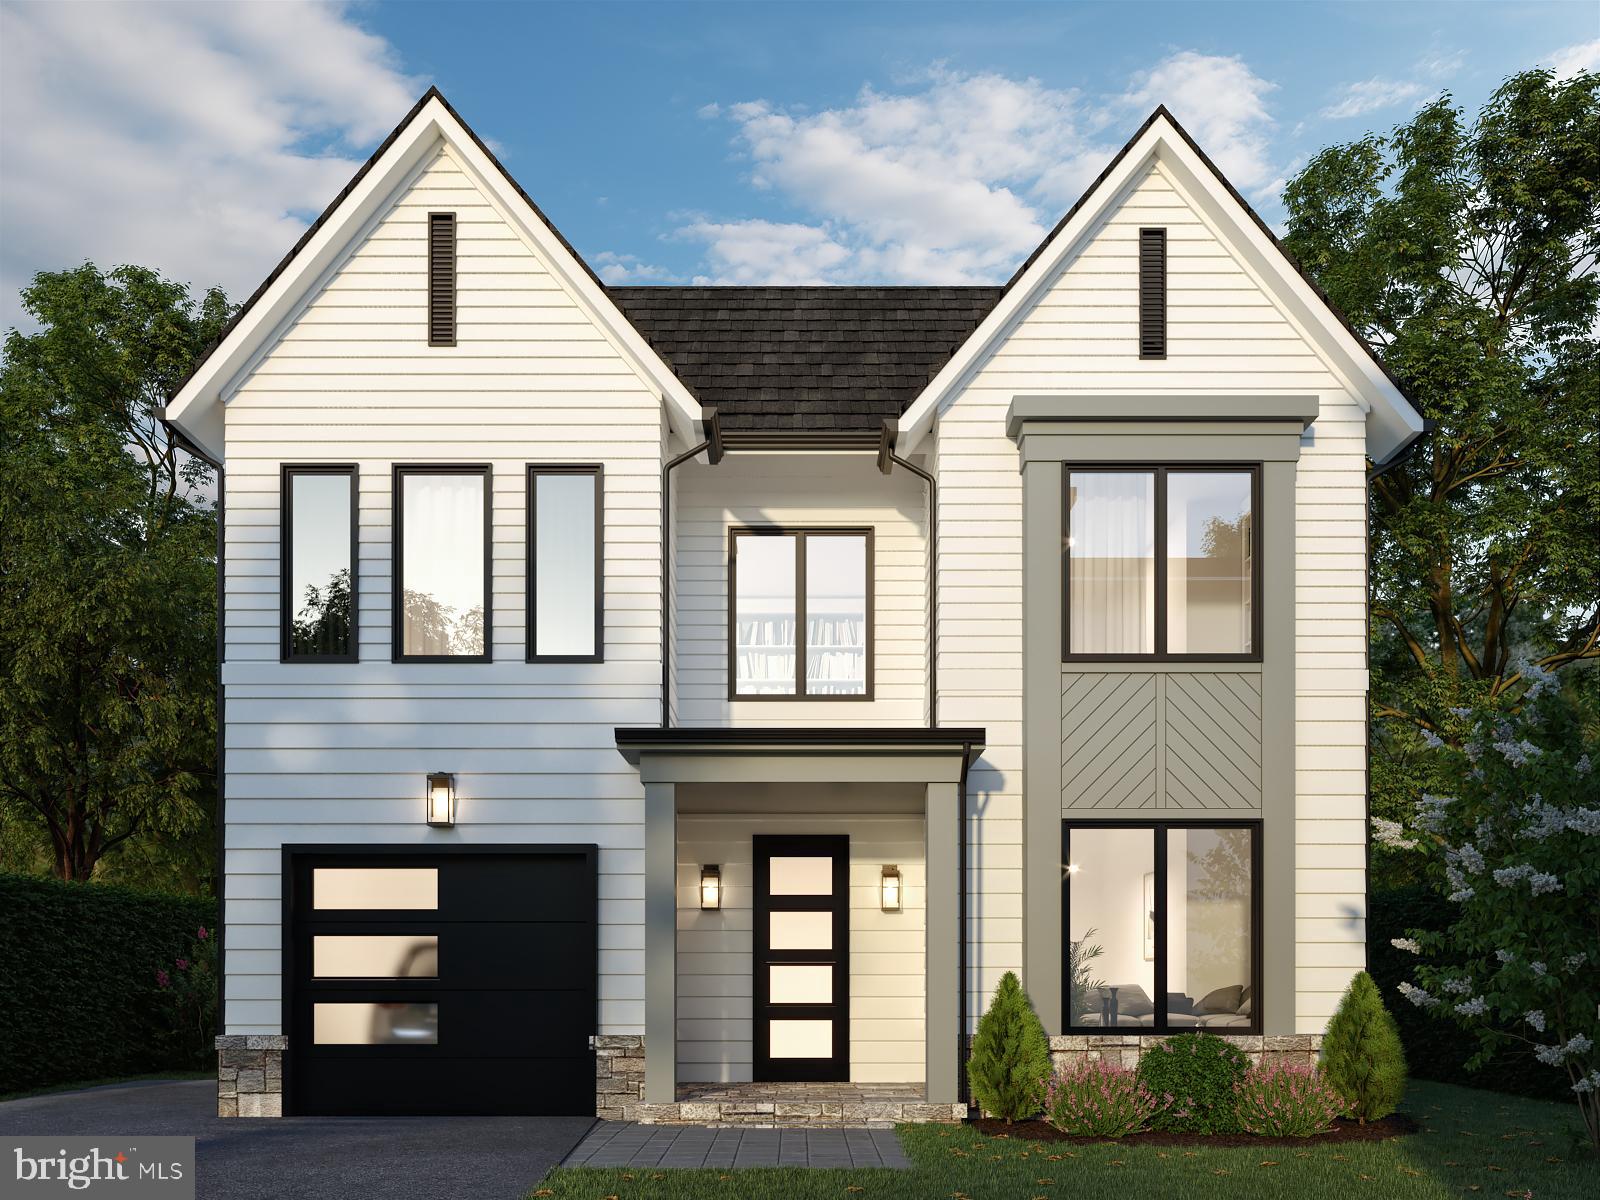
{"type": "Point", "coordinates": [1391, 421]}
{"type": "Point", "coordinates": [196, 409]}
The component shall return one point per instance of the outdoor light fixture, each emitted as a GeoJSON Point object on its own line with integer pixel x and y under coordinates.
{"type": "Point", "coordinates": [889, 886]}
{"type": "Point", "coordinates": [441, 799]}
{"type": "Point", "coordinates": [711, 887]}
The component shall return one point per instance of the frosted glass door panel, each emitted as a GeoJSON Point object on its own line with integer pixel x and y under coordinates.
{"type": "Point", "coordinates": [801, 1039]}
{"type": "Point", "coordinates": [375, 887]}
{"type": "Point", "coordinates": [366, 1024]}
{"type": "Point", "coordinates": [800, 931]}
{"type": "Point", "coordinates": [800, 984]}
{"type": "Point", "coordinates": [365, 956]}
{"type": "Point", "coordinates": [801, 877]}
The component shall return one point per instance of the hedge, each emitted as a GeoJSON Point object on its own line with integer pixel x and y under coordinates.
{"type": "Point", "coordinates": [1437, 1048]}
{"type": "Point", "coordinates": [78, 993]}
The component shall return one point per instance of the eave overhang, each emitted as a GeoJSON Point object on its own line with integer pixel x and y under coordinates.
{"type": "Point", "coordinates": [636, 741]}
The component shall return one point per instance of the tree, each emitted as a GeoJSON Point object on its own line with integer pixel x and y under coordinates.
{"type": "Point", "coordinates": [1516, 847]}
{"type": "Point", "coordinates": [1010, 1066]}
{"type": "Point", "coordinates": [1361, 1053]}
{"type": "Point", "coordinates": [322, 626]}
{"type": "Point", "coordinates": [1466, 256]}
{"type": "Point", "coordinates": [107, 568]}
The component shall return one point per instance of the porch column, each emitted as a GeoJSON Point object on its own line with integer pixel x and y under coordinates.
{"type": "Point", "coordinates": [660, 943]}
{"type": "Point", "coordinates": [942, 943]}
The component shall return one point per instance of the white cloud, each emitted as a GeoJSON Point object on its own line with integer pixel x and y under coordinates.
{"type": "Point", "coordinates": [1569, 60]}
{"type": "Point", "coordinates": [196, 139]}
{"type": "Point", "coordinates": [1370, 95]}
{"type": "Point", "coordinates": [766, 252]}
{"type": "Point", "coordinates": [627, 268]}
{"type": "Point", "coordinates": [1222, 102]}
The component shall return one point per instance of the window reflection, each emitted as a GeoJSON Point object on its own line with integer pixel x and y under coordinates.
{"type": "Point", "coordinates": [398, 956]}
{"type": "Point", "coordinates": [442, 598]}
{"type": "Point", "coordinates": [1209, 562]}
{"type": "Point", "coordinates": [320, 572]}
{"type": "Point", "coordinates": [385, 1023]}
{"type": "Point", "coordinates": [564, 576]}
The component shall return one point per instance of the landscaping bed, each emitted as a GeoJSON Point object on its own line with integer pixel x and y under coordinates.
{"type": "Point", "coordinates": [1395, 1126]}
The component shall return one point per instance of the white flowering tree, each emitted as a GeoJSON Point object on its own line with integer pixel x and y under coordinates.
{"type": "Point", "coordinates": [1517, 850]}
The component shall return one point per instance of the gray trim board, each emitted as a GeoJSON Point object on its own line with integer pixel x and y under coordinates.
{"type": "Point", "coordinates": [1278, 806]}
{"type": "Point", "coordinates": [660, 943]}
{"type": "Point", "coordinates": [1202, 409]}
{"type": "Point", "coordinates": [942, 934]}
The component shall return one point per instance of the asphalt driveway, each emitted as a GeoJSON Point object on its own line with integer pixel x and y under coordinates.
{"type": "Point", "coordinates": [315, 1158]}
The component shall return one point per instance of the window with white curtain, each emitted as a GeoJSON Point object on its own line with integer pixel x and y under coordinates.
{"type": "Point", "coordinates": [1161, 562]}
{"type": "Point", "coordinates": [565, 540]}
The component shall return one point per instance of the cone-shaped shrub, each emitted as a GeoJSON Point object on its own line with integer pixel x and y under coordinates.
{"type": "Point", "coordinates": [1362, 1055]}
{"type": "Point", "coordinates": [1010, 1064]}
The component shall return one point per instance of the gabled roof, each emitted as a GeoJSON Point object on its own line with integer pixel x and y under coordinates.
{"type": "Point", "coordinates": [1392, 420]}
{"type": "Point", "coordinates": [821, 359]}
{"type": "Point", "coordinates": [195, 408]}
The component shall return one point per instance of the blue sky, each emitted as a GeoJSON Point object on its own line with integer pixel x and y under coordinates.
{"type": "Point", "coordinates": [717, 142]}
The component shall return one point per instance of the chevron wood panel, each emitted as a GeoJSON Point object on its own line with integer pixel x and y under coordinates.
{"type": "Point", "coordinates": [1108, 741]}
{"type": "Point", "coordinates": [1212, 725]}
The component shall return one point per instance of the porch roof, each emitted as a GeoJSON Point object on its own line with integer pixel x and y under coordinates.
{"type": "Point", "coordinates": [632, 741]}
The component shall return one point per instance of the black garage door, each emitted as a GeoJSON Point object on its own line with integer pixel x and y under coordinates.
{"type": "Point", "coordinates": [449, 982]}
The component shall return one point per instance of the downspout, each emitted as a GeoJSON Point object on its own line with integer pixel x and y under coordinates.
{"type": "Point", "coordinates": [887, 461]}
{"type": "Point", "coordinates": [712, 448]}
{"type": "Point", "coordinates": [961, 927]}
{"type": "Point", "coordinates": [221, 879]}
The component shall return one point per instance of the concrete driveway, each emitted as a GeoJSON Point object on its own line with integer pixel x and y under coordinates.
{"type": "Point", "coordinates": [312, 1158]}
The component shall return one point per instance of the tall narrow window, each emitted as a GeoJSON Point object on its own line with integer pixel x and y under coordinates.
{"type": "Point", "coordinates": [565, 552]}
{"type": "Point", "coordinates": [441, 563]}
{"type": "Point", "coordinates": [800, 616]}
{"type": "Point", "coordinates": [1162, 563]}
{"type": "Point", "coordinates": [1152, 293]}
{"type": "Point", "coordinates": [1162, 925]}
{"type": "Point", "coordinates": [318, 564]}
{"type": "Point", "coordinates": [442, 279]}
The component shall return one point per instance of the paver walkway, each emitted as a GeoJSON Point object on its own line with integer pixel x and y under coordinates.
{"type": "Point", "coordinates": [630, 1144]}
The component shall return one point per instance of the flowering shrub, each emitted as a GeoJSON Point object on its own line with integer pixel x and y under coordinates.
{"type": "Point", "coordinates": [1517, 851]}
{"type": "Point", "coordinates": [1199, 1071]}
{"type": "Point", "coordinates": [188, 994]}
{"type": "Point", "coordinates": [1278, 1100]}
{"type": "Point", "coordinates": [1100, 1099]}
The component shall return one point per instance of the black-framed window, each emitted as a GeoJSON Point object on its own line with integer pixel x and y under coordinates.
{"type": "Point", "coordinates": [1161, 925]}
{"type": "Point", "coordinates": [800, 620]}
{"type": "Point", "coordinates": [318, 565]}
{"type": "Point", "coordinates": [1162, 563]}
{"type": "Point", "coordinates": [442, 563]}
{"type": "Point", "coordinates": [566, 575]}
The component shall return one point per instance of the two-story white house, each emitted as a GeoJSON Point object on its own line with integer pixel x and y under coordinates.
{"type": "Point", "coordinates": [684, 703]}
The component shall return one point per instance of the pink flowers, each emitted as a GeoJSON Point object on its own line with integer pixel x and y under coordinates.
{"type": "Point", "coordinates": [202, 935]}
{"type": "Point", "coordinates": [162, 978]}
{"type": "Point", "coordinates": [1279, 1100]}
{"type": "Point", "coordinates": [1099, 1099]}
{"type": "Point", "coordinates": [182, 964]}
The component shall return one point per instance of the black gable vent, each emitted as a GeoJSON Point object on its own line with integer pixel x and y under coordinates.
{"type": "Point", "coordinates": [1152, 293]}
{"type": "Point", "coordinates": [442, 279]}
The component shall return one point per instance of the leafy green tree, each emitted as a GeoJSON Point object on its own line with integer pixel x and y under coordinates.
{"type": "Point", "coordinates": [107, 569]}
{"type": "Point", "coordinates": [1465, 254]}
{"type": "Point", "coordinates": [322, 626]}
{"type": "Point", "coordinates": [1362, 1055]}
{"type": "Point", "coordinates": [1516, 847]}
{"type": "Point", "coordinates": [1010, 1066]}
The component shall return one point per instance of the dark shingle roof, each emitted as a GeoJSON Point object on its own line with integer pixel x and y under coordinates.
{"type": "Point", "coordinates": [814, 358]}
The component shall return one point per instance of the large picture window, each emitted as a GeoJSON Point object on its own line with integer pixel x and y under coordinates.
{"type": "Point", "coordinates": [565, 580]}
{"type": "Point", "coordinates": [441, 564]}
{"type": "Point", "coordinates": [800, 614]}
{"type": "Point", "coordinates": [1162, 926]}
{"type": "Point", "coordinates": [317, 564]}
{"type": "Point", "coordinates": [1162, 562]}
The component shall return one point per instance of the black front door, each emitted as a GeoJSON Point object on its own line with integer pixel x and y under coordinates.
{"type": "Point", "coordinates": [425, 982]}
{"type": "Point", "coordinates": [802, 958]}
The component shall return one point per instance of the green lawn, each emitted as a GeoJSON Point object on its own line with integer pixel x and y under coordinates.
{"type": "Point", "coordinates": [1474, 1143]}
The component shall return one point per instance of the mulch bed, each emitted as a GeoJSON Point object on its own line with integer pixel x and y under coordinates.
{"type": "Point", "coordinates": [1398, 1125]}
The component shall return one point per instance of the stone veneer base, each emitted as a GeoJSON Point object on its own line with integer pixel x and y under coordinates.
{"type": "Point", "coordinates": [250, 1075]}
{"type": "Point", "coordinates": [1125, 1049]}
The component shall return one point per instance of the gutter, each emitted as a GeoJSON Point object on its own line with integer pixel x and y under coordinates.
{"type": "Point", "coordinates": [961, 929]}
{"type": "Point", "coordinates": [713, 449]}
{"type": "Point", "coordinates": [1408, 448]}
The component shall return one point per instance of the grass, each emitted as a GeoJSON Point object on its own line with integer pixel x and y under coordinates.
{"type": "Point", "coordinates": [1473, 1143]}
{"type": "Point", "coordinates": [79, 1084]}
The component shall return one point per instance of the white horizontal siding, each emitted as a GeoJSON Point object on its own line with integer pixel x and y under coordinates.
{"type": "Point", "coordinates": [887, 994]}
{"type": "Point", "coordinates": [1227, 336]}
{"type": "Point", "coordinates": [336, 753]}
{"type": "Point", "coordinates": [811, 490]}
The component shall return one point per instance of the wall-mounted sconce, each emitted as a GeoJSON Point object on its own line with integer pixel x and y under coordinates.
{"type": "Point", "coordinates": [711, 887]}
{"type": "Point", "coordinates": [441, 799]}
{"type": "Point", "coordinates": [889, 888]}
